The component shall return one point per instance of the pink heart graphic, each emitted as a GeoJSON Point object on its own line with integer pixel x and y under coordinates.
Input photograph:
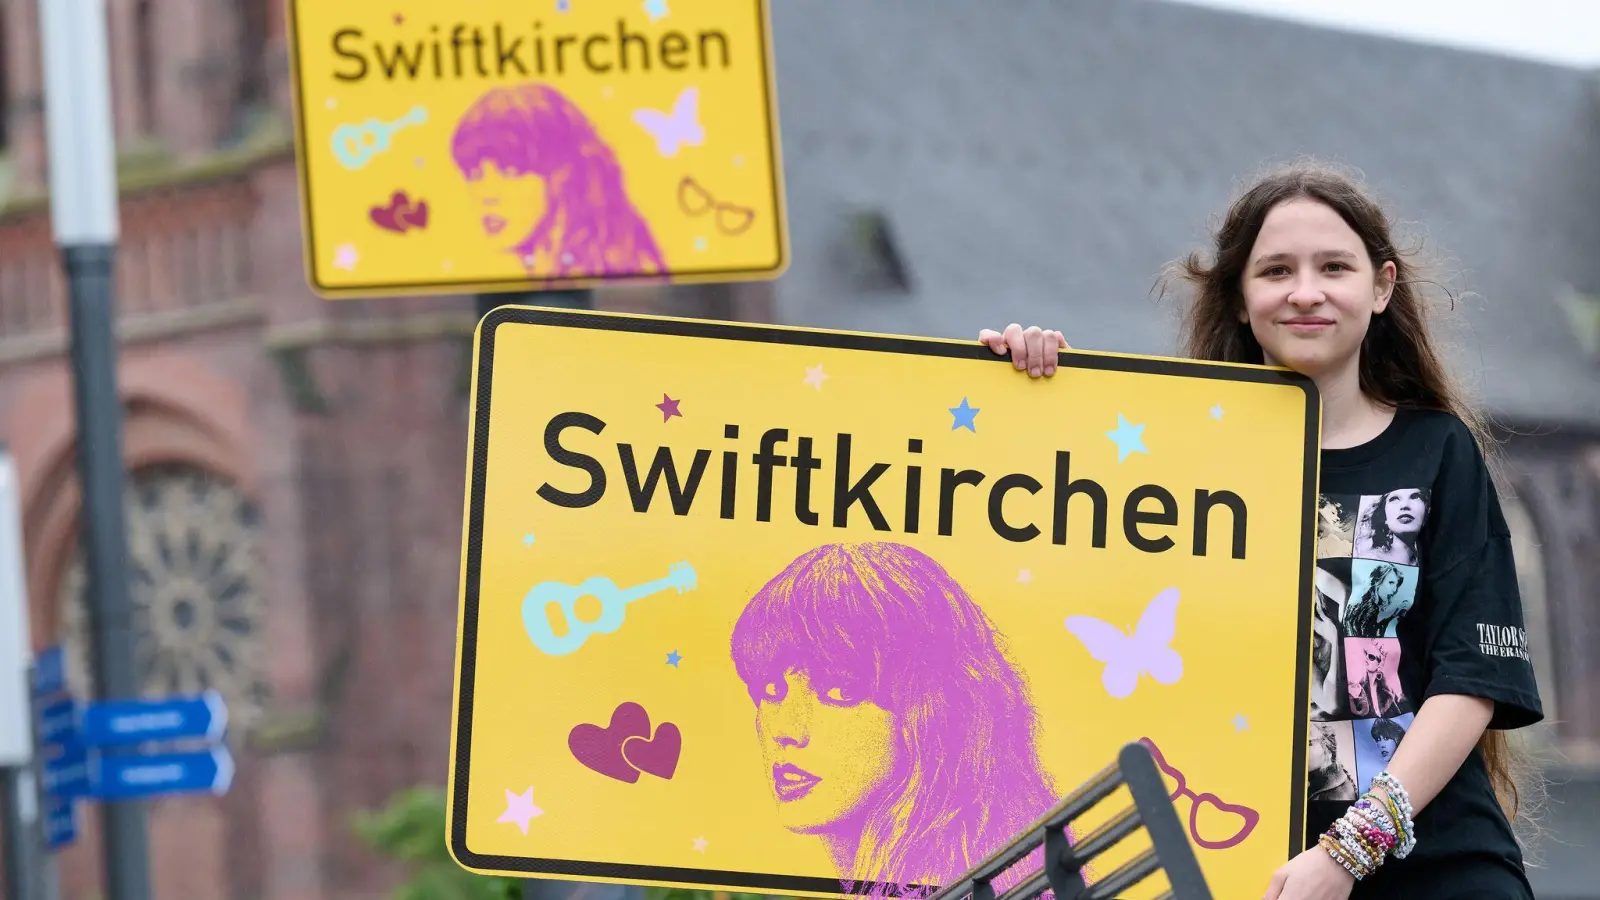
{"type": "Point", "coordinates": [415, 215]}
{"type": "Point", "coordinates": [600, 749]}
{"type": "Point", "coordinates": [658, 757]}
{"type": "Point", "coordinates": [400, 214]}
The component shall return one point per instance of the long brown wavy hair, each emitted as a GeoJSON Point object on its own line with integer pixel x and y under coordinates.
{"type": "Point", "coordinates": [1400, 364]}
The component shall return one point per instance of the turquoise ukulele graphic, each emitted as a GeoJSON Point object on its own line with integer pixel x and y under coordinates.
{"type": "Point", "coordinates": [613, 602]}
{"type": "Point", "coordinates": [356, 143]}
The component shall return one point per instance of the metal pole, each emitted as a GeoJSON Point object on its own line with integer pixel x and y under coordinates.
{"type": "Point", "coordinates": [83, 207]}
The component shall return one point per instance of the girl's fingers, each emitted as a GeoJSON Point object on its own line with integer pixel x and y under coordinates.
{"type": "Point", "coordinates": [1033, 349]}
{"type": "Point", "coordinates": [1039, 346]}
{"type": "Point", "coordinates": [1018, 346]}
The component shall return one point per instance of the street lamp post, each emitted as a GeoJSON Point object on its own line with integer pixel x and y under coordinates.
{"type": "Point", "coordinates": [83, 210]}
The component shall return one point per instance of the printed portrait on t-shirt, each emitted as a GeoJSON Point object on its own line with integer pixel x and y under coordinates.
{"type": "Point", "coordinates": [1380, 593]}
{"type": "Point", "coordinates": [1327, 660]}
{"type": "Point", "coordinates": [1336, 528]}
{"type": "Point", "coordinates": [1372, 677]}
{"type": "Point", "coordinates": [1388, 525]}
{"type": "Point", "coordinates": [1331, 761]}
{"type": "Point", "coordinates": [1376, 742]}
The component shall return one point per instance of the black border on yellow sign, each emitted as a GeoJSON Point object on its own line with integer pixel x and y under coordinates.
{"type": "Point", "coordinates": [472, 550]}
{"type": "Point", "coordinates": [770, 271]}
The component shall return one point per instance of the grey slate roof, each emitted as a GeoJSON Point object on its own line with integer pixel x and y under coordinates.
{"type": "Point", "coordinates": [1039, 160]}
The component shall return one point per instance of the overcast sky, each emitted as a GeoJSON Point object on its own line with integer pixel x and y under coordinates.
{"type": "Point", "coordinates": [1565, 32]}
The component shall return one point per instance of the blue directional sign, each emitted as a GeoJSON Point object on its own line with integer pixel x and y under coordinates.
{"type": "Point", "coordinates": [70, 773]}
{"type": "Point", "coordinates": [58, 722]}
{"type": "Point", "coordinates": [60, 824]}
{"type": "Point", "coordinates": [110, 723]}
{"type": "Point", "coordinates": [110, 750]}
{"type": "Point", "coordinates": [50, 672]}
{"type": "Point", "coordinates": [127, 777]}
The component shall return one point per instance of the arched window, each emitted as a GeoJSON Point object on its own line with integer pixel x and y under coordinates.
{"type": "Point", "coordinates": [1528, 546]}
{"type": "Point", "coordinates": [196, 585]}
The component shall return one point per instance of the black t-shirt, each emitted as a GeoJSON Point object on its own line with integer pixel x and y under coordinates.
{"type": "Point", "coordinates": [1416, 595]}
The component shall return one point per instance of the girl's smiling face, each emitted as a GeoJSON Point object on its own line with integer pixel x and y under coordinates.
{"type": "Point", "coordinates": [1310, 289]}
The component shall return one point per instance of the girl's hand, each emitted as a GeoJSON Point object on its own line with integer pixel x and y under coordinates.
{"type": "Point", "coordinates": [1312, 875]}
{"type": "Point", "coordinates": [1032, 349]}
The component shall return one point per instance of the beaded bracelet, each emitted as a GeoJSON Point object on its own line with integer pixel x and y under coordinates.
{"type": "Point", "coordinates": [1399, 803]}
{"type": "Point", "coordinates": [1373, 828]}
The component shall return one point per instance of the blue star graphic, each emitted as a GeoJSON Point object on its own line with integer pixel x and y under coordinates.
{"type": "Point", "coordinates": [527, 539]}
{"type": "Point", "coordinates": [673, 658]}
{"type": "Point", "coordinates": [1216, 411]}
{"type": "Point", "coordinates": [965, 417]}
{"type": "Point", "coordinates": [655, 8]}
{"type": "Point", "coordinates": [1129, 438]}
{"type": "Point", "coordinates": [1240, 723]}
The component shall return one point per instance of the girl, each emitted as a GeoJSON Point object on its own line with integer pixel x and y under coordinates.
{"type": "Point", "coordinates": [890, 721]}
{"type": "Point", "coordinates": [1305, 276]}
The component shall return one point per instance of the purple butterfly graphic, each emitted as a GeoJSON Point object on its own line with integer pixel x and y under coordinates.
{"type": "Point", "coordinates": [679, 128]}
{"type": "Point", "coordinates": [1145, 652]}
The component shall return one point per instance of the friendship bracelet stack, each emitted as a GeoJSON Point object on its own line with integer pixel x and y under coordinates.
{"type": "Point", "coordinates": [1374, 827]}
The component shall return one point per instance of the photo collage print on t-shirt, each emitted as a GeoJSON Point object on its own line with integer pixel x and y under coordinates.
{"type": "Point", "coordinates": [1366, 581]}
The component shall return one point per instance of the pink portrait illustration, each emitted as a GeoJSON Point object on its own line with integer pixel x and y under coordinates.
{"type": "Point", "coordinates": [548, 188]}
{"type": "Point", "coordinates": [890, 722]}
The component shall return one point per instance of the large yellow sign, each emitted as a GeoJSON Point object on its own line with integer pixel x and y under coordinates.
{"type": "Point", "coordinates": [489, 145]}
{"type": "Point", "coordinates": [794, 611]}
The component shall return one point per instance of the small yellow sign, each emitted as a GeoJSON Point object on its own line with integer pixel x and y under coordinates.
{"type": "Point", "coordinates": [796, 611]}
{"type": "Point", "coordinates": [501, 144]}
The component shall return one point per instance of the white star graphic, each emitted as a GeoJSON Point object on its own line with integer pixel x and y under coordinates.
{"type": "Point", "coordinates": [815, 376]}
{"type": "Point", "coordinates": [519, 809]}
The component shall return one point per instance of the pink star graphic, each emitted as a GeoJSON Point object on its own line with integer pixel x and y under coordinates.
{"type": "Point", "coordinates": [669, 407]}
{"type": "Point", "coordinates": [519, 809]}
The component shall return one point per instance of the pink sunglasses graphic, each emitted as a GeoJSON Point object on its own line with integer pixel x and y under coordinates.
{"type": "Point", "coordinates": [1249, 818]}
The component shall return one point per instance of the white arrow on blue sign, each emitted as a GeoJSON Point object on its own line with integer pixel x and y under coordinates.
{"type": "Point", "coordinates": [126, 777]}
{"type": "Point", "coordinates": [109, 723]}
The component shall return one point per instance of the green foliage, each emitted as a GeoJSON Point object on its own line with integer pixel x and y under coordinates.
{"type": "Point", "coordinates": [411, 831]}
